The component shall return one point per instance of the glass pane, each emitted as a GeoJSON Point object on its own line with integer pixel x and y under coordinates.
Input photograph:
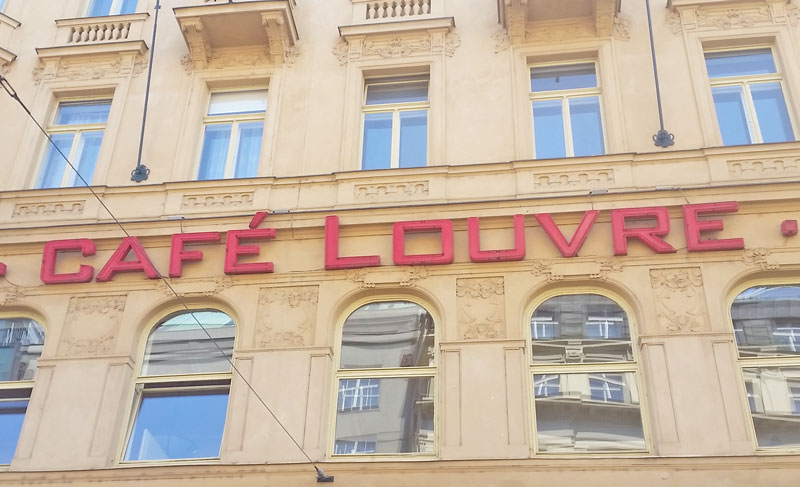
{"type": "Point", "coordinates": [774, 397]}
{"type": "Point", "coordinates": [731, 117]}
{"type": "Point", "coordinates": [377, 151]}
{"type": "Point", "coordinates": [99, 8]}
{"type": "Point", "coordinates": [414, 138]}
{"type": "Point", "coordinates": [128, 6]}
{"type": "Point", "coordinates": [249, 151]}
{"type": "Point", "coordinates": [180, 346]}
{"type": "Point", "coordinates": [12, 413]}
{"type": "Point", "coordinates": [588, 413]}
{"type": "Point", "coordinates": [86, 157]}
{"type": "Point", "coordinates": [172, 427]}
{"type": "Point", "coordinates": [548, 129]}
{"type": "Point", "coordinates": [587, 127]}
{"type": "Point", "coordinates": [388, 334]}
{"type": "Point", "coordinates": [766, 321]}
{"type": "Point", "coordinates": [580, 328]}
{"type": "Point", "coordinates": [21, 344]}
{"type": "Point", "coordinates": [215, 151]}
{"type": "Point", "coordinates": [739, 63]}
{"type": "Point", "coordinates": [80, 113]}
{"type": "Point", "coordinates": [403, 423]}
{"type": "Point", "coordinates": [382, 92]}
{"type": "Point", "coordinates": [773, 118]}
{"type": "Point", "coordinates": [51, 174]}
{"type": "Point", "coordinates": [238, 102]}
{"type": "Point", "coordinates": [548, 78]}
{"type": "Point", "coordinates": [2, 4]}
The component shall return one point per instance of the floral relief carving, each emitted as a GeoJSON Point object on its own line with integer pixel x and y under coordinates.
{"type": "Point", "coordinates": [397, 47]}
{"type": "Point", "coordinates": [560, 269]}
{"type": "Point", "coordinates": [92, 325]}
{"type": "Point", "coordinates": [697, 18]}
{"type": "Point", "coordinates": [451, 43]}
{"type": "Point", "coordinates": [502, 41]}
{"type": "Point", "coordinates": [11, 294]}
{"type": "Point", "coordinates": [759, 258]}
{"type": "Point", "coordinates": [206, 288]}
{"type": "Point", "coordinates": [621, 27]}
{"type": "Point", "coordinates": [286, 316]}
{"type": "Point", "coordinates": [680, 299]}
{"type": "Point", "coordinates": [407, 277]}
{"type": "Point", "coordinates": [342, 51]}
{"type": "Point", "coordinates": [733, 17]}
{"type": "Point", "coordinates": [481, 308]}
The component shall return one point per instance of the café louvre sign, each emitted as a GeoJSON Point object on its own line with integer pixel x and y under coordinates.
{"type": "Point", "coordinates": [648, 226]}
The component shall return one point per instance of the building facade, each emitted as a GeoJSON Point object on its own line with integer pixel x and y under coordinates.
{"type": "Point", "coordinates": [409, 242]}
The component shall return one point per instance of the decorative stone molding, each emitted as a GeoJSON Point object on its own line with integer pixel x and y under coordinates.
{"type": "Point", "coordinates": [380, 11]}
{"type": "Point", "coordinates": [224, 200]}
{"type": "Point", "coordinates": [680, 300]}
{"type": "Point", "coordinates": [574, 179]}
{"type": "Point", "coordinates": [286, 316]}
{"type": "Point", "coordinates": [524, 23]}
{"type": "Point", "coordinates": [481, 308]}
{"type": "Point", "coordinates": [92, 325]}
{"type": "Point", "coordinates": [698, 15]}
{"type": "Point", "coordinates": [585, 268]}
{"type": "Point", "coordinates": [391, 191]}
{"type": "Point", "coordinates": [116, 34]}
{"type": "Point", "coordinates": [205, 287]}
{"type": "Point", "coordinates": [397, 40]}
{"type": "Point", "coordinates": [267, 23]}
{"type": "Point", "coordinates": [759, 258]}
{"type": "Point", "coordinates": [407, 277]}
{"type": "Point", "coordinates": [10, 294]}
{"type": "Point", "coordinates": [502, 41]}
{"type": "Point", "coordinates": [764, 168]}
{"type": "Point", "coordinates": [40, 209]}
{"type": "Point", "coordinates": [82, 68]}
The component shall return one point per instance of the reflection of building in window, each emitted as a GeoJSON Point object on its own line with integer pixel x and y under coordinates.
{"type": "Point", "coordinates": [100, 8]}
{"type": "Point", "coordinates": [584, 377]}
{"type": "Point", "coordinates": [386, 391]}
{"type": "Point", "coordinates": [21, 344]}
{"type": "Point", "coordinates": [766, 321]}
{"type": "Point", "coordinates": [182, 390]}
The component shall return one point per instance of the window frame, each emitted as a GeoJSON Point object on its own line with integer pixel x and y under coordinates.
{"type": "Point", "coordinates": [178, 384]}
{"type": "Point", "coordinates": [235, 119]}
{"type": "Point", "coordinates": [634, 367]}
{"type": "Point", "coordinates": [395, 109]}
{"type": "Point", "coordinates": [743, 363]}
{"type": "Point", "coordinates": [114, 9]}
{"type": "Point", "coordinates": [745, 81]}
{"type": "Point", "coordinates": [431, 372]}
{"type": "Point", "coordinates": [564, 96]}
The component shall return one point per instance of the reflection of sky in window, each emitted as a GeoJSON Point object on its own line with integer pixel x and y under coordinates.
{"type": "Point", "coordinates": [769, 292]}
{"type": "Point", "coordinates": [739, 63]}
{"type": "Point", "coordinates": [576, 76]}
{"type": "Point", "coordinates": [12, 413]}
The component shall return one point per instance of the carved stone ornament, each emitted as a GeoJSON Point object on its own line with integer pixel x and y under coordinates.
{"type": "Point", "coordinates": [558, 270]}
{"type": "Point", "coordinates": [481, 308]}
{"type": "Point", "coordinates": [401, 45]}
{"type": "Point", "coordinates": [759, 258]}
{"type": "Point", "coordinates": [680, 300]}
{"type": "Point", "coordinates": [43, 209]}
{"type": "Point", "coordinates": [621, 28]}
{"type": "Point", "coordinates": [342, 51]}
{"type": "Point", "coordinates": [764, 168]}
{"type": "Point", "coordinates": [204, 287]}
{"type": "Point", "coordinates": [402, 277]}
{"type": "Point", "coordinates": [10, 294]}
{"type": "Point", "coordinates": [92, 325]}
{"type": "Point", "coordinates": [397, 47]}
{"type": "Point", "coordinates": [391, 191]}
{"type": "Point", "coordinates": [502, 41]}
{"type": "Point", "coordinates": [286, 316]}
{"type": "Point", "coordinates": [731, 17]}
{"type": "Point", "coordinates": [219, 200]}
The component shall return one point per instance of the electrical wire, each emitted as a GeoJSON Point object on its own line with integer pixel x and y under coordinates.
{"type": "Point", "coordinates": [6, 85]}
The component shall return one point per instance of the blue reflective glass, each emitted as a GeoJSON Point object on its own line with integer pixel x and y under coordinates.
{"type": "Point", "coordinates": [397, 92]}
{"type": "Point", "coordinates": [86, 156]}
{"type": "Point", "coordinates": [215, 152]}
{"type": "Point", "coordinates": [128, 6]}
{"type": "Point", "coordinates": [249, 151]}
{"type": "Point", "coordinates": [100, 8]}
{"type": "Point", "coordinates": [2, 4]}
{"type": "Point", "coordinates": [773, 118]}
{"type": "Point", "coordinates": [12, 413]}
{"type": "Point", "coordinates": [377, 150]}
{"type": "Point", "coordinates": [548, 129]}
{"type": "Point", "coordinates": [731, 116]}
{"type": "Point", "coordinates": [739, 63]}
{"type": "Point", "coordinates": [51, 174]}
{"type": "Point", "coordinates": [587, 128]}
{"type": "Point", "coordinates": [178, 426]}
{"type": "Point", "coordinates": [83, 113]}
{"type": "Point", "coordinates": [414, 138]}
{"type": "Point", "coordinates": [548, 78]}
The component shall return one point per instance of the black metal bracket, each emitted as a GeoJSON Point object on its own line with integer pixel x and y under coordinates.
{"type": "Point", "coordinates": [321, 477]}
{"type": "Point", "coordinates": [140, 173]}
{"type": "Point", "coordinates": [663, 138]}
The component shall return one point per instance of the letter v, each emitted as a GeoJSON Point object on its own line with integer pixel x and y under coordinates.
{"type": "Point", "coordinates": [568, 249]}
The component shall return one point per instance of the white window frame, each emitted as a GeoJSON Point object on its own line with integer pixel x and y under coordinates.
{"type": "Point", "coordinates": [564, 96]}
{"type": "Point", "coordinates": [745, 82]}
{"type": "Point", "coordinates": [395, 109]}
{"type": "Point", "coordinates": [116, 6]}
{"type": "Point", "coordinates": [235, 119]}
{"type": "Point", "coordinates": [78, 130]}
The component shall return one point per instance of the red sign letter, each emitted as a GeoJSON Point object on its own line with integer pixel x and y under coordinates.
{"type": "Point", "coordinates": [177, 255]}
{"type": "Point", "coordinates": [234, 249]}
{"type": "Point", "coordinates": [399, 241]}
{"type": "Point", "coordinates": [478, 255]}
{"type": "Point", "coordinates": [332, 259]}
{"type": "Point", "coordinates": [568, 249]}
{"type": "Point", "coordinates": [650, 236]}
{"type": "Point", "coordinates": [117, 262]}
{"type": "Point", "coordinates": [50, 255]}
{"type": "Point", "coordinates": [695, 227]}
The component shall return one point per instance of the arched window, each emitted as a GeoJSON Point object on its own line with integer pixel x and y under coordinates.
{"type": "Point", "coordinates": [182, 390]}
{"type": "Point", "coordinates": [386, 381]}
{"type": "Point", "coordinates": [585, 390]}
{"type": "Point", "coordinates": [21, 343]}
{"type": "Point", "coordinates": [766, 324]}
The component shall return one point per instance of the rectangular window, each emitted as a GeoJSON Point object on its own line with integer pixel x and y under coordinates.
{"type": "Point", "coordinates": [747, 90]}
{"type": "Point", "coordinates": [101, 8]}
{"type": "Point", "coordinates": [776, 411]}
{"type": "Point", "coordinates": [395, 115]}
{"type": "Point", "coordinates": [567, 120]}
{"type": "Point", "coordinates": [77, 132]}
{"type": "Point", "coordinates": [234, 127]}
{"type": "Point", "coordinates": [354, 447]}
{"type": "Point", "coordinates": [13, 405]}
